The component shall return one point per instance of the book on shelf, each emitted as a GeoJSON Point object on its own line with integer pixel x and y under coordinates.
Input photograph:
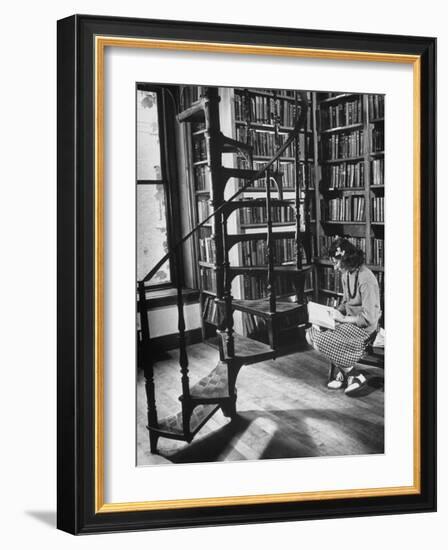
{"type": "Point", "coordinates": [257, 214]}
{"type": "Point", "coordinates": [341, 114]}
{"type": "Point", "coordinates": [264, 142]}
{"type": "Point", "coordinates": [210, 310]}
{"type": "Point", "coordinates": [378, 251]}
{"type": "Point", "coordinates": [377, 172]}
{"type": "Point", "coordinates": [344, 145]}
{"type": "Point", "coordinates": [207, 250]}
{"type": "Point", "coordinates": [202, 178]}
{"type": "Point", "coordinates": [260, 109]}
{"type": "Point", "coordinates": [204, 210]}
{"type": "Point", "coordinates": [347, 209]}
{"type": "Point", "coordinates": [376, 138]}
{"type": "Point", "coordinates": [378, 209]}
{"type": "Point", "coordinates": [208, 279]}
{"type": "Point", "coordinates": [376, 106]}
{"type": "Point", "coordinates": [306, 174]}
{"type": "Point", "coordinates": [254, 252]}
{"type": "Point", "coordinates": [199, 148]}
{"type": "Point", "coordinates": [331, 280]}
{"type": "Point", "coordinates": [345, 175]}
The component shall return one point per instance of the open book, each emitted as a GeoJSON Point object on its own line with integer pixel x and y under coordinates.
{"type": "Point", "coordinates": [320, 315]}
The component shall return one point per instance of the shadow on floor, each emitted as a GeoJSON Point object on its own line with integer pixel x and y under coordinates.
{"type": "Point", "coordinates": [298, 433]}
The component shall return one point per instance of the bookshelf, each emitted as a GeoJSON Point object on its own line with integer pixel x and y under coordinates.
{"type": "Point", "coordinates": [263, 118]}
{"type": "Point", "coordinates": [334, 172]}
{"type": "Point", "coordinates": [349, 197]}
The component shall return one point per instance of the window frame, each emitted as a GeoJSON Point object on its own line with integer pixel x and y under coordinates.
{"type": "Point", "coordinates": [169, 177]}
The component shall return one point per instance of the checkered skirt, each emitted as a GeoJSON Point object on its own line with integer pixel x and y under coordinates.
{"type": "Point", "coordinates": [343, 346]}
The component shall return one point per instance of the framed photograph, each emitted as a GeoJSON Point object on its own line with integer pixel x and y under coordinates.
{"type": "Point", "coordinates": [246, 274]}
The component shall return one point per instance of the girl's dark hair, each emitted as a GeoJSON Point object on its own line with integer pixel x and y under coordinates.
{"type": "Point", "coordinates": [353, 256]}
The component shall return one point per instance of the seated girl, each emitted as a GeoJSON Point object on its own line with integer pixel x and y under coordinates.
{"type": "Point", "coordinates": [356, 317]}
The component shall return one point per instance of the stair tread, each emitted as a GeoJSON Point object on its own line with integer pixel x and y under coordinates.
{"type": "Point", "coordinates": [262, 305]}
{"type": "Point", "coordinates": [194, 113]}
{"type": "Point", "coordinates": [249, 348]}
{"type": "Point", "coordinates": [230, 145]}
{"type": "Point", "coordinates": [247, 173]}
{"type": "Point", "coordinates": [214, 385]}
{"type": "Point", "coordinates": [264, 268]}
{"type": "Point", "coordinates": [173, 424]}
{"type": "Point", "coordinates": [258, 235]}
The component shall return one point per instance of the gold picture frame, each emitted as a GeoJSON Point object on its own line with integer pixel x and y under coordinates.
{"type": "Point", "coordinates": [95, 35]}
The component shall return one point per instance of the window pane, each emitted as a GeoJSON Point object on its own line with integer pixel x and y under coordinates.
{"type": "Point", "coordinates": [152, 237]}
{"type": "Point", "coordinates": [148, 143]}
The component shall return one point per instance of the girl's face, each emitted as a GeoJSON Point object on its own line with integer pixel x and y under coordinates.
{"type": "Point", "coordinates": [337, 264]}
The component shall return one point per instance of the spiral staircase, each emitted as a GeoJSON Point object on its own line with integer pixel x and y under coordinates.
{"type": "Point", "coordinates": [217, 390]}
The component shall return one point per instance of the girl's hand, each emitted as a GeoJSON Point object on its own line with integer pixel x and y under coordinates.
{"type": "Point", "coordinates": [338, 317]}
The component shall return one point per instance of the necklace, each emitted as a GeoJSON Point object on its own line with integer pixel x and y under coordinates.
{"type": "Point", "coordinates": [348, 284]}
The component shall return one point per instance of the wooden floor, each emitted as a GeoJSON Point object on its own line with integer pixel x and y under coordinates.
{"type": "Point", "coordinates": [285, 411]}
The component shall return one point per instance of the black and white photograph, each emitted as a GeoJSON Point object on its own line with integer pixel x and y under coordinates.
{"type": "Point", "coordinates": [260, 273]}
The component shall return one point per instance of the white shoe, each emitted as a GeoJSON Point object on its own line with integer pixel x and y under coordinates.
{"type": "Point", "coordinates": [355, 383]}
{"type": "Point", "coordinates": [337, 383]}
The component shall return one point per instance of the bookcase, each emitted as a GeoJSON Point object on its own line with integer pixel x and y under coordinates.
{"type": "Point", "coordinates": [264, 118]}
{"type": "Point", "coordinates": [334, 170]}
{"type": "Point", "coordinates": [349, 196]}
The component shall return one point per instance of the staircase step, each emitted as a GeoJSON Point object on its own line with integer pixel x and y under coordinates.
{"type": "Point", "coordinates": [258, 270]}
{"type": "Point", "coordinates": [250, 351]}
{"type": "Point", "coordinates": [172, 426]}
{"type": "Point", "coordinates": [194, 113]}
{"type": "Point", "coordinates": [261, 306]}
{"type": "Point", "coordinates": [213, 386]}
{"type": "Point", "coordinates": [230, 145]}
{"type": "Point", "coordinates": [246, 174]}
{"type": "Point", "coordinates": [258, 236]}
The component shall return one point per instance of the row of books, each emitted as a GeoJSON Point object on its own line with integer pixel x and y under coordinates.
{"type": "Point", "coordinates": [208, 280]}
{"type": "Point", "coordinates": [266, 110]}
{"type": "Point", "coordinates": [207, 250]}
{"type": "Point", "coordinates": [256, 287]}
{"type": "Point", "coordinates": [344, 145]}
{"type": "Point", "coordinates": [376, 138]}
{"type": "Point", "coordinates": [255, 252]}
{"type": "Point", "coordinates": [327, 240]}
{"type": "Point", "coordinates": [305, 172]}
{"type": "Point", "coordinates": [204, 210]}
{"type": "Point", "coordinates": [264, 143]}
{"type": "Point", "coordinates": [377, 172]}
{"type": "Point", "coordinates": [331, 280]}
{"type": "Point", "coordinates": [344, 175]}
{"type": "Point", "coordinates": [202, 178]}
{"type": "Point", "coordinates": [341, 114]}
{"type": "Point", "coordinates": [376, 106]}
{"type": "Point", "coordinates": [348, 209]}
{"type": "Point", "coordinates": [210, 310]}
{"type": "Point", "coordinates": [378, 251]}
{"type": "Point", "coordinates": [257, 214]}
{"type": "Point", "coordinates": [199, 148]}
{"type": "Point", "coordinates": [378, 209]}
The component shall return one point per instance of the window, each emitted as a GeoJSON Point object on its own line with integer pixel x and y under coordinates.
{"type": "Point", "coordinates": [153, 227]}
